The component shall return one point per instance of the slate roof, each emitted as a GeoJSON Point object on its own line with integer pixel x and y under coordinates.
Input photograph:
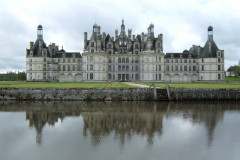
{"type": "Point", "coordinates": [205, 52]}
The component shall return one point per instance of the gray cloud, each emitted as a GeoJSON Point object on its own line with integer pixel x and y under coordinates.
{"type": "Point", "coordinates": [182, 23]}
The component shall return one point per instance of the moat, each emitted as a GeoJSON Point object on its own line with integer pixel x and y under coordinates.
{"type": "Point", "coordinates": [119, 130]}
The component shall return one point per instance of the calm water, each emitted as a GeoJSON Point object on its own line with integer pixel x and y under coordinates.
{"type": "Point", "coordinates": [119, 130]}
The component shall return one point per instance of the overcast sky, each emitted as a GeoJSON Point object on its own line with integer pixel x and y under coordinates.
{"type": "Point", "coordinates": [182, 23]}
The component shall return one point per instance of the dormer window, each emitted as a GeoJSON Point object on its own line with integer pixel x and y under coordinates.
{"type": "Point", "coordinates": [109, 46]}
{"type": "Point", "coordinates": [64, 55]}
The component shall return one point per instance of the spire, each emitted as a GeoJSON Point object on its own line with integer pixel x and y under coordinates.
{"type": "Point", "coordinates": [122, 27]}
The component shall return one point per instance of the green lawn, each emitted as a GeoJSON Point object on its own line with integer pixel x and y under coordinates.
{"type": "Point", "coordinates": [17, 84]}
{"type": "Point", "coordinates": [203, 85]}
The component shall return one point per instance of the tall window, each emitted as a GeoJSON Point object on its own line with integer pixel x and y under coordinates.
{"type": "Point", "coordinates": [202, 67]}
{"type": "Point", "coordinates": [127, 60]}
{"type": "Point", "coordinates": [92, 44]}
{"type": "Point", "coordinates": [69, 68]}
{"type": "Point", "coordinates": [159, 68]}
{"type": "Point", "coordinates": [63, 67]}
{"type": "Point", "coordinates": [92, 50]}
{"type": "Point", "coordinates": [185, 68]}
{"type": "Point", "coordinates": [91, 67]}
{"type": "Point", "coordinates": [109, 46]}
{"type": "Point", "coordinates": [219, 76]}
{"type": "Point", "coordinates": [73, 67]}
{"type": "Point", "coordinates": [219, 67]}
{"type": "Point", "coordinates": [119, 60]}
{"type": "Point", "coordinates": [91, 76]}
{"type": "Point", "coordinates": [123, 60]}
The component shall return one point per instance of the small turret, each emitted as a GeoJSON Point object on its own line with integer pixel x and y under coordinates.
{"type": "Point", "coordinates": [210, 32]}
{"type": "Point", "coordinates": [40, 32]}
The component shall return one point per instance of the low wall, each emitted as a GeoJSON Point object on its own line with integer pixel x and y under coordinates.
{"type": "Point", "coordinates": [204, 94]}
{"type": "Point", "coordinates": [121, 94]}
{"type": "Point", "coordinates": [98, 94]}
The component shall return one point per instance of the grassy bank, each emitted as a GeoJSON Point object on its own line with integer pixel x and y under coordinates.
{"type": "Point", "coordinates": [202, 85]}
{"type": "Point", "coordinates": [17, 84]}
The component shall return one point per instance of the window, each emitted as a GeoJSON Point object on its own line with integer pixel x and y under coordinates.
{"type": "Point", "coordinates": [136, 52]}
{"type": "Point", "coordinates": [74, 68]}
{"type": "Point", "coordinates": [59, 68]}
{"type": "Point", "coordinates": [136, 60]}
{"type": "Point", "coordinates": [160, 76]}
{"type": "Point", "coordinates": [69, 68]}
{"type": "Point", "coordinates": [63, 67]}
{"type": "Point", "coordinates": [136, 68]}
{"type": "Point", "coordinates": [202, 60]}
{"type": "Point", "coordinates": [219, 76]}
{"type": "Point", "coordinates": [176, 68]}
{"type": "Point", "coordinates": [167, 68]}
{"type": "Point", "coordinates": [92, 44]}
{"type": "Point", "coordinates": [44, 59]}
{"type": "Point", "coordinates": [123, 68]}
{"type": "Point", "coordinates": [92, 50]}
{"type": "Point", "coordinates": [185, 60]}
{"type": "Point", "coordinates": [180, 68]}
{"type": "Point", "coordinates": [167, 60]}
{"type": "Point", "coordinates": [159, 68]}
{"type": "Point", "coordinates": [156, 67]}
{"type": "Point", "coordinates": [159, 59]}
{"type": "Point", "coordinates": [190, 68]}
{"type": "Point", "coordinates": [127, 60]}
{"type": "Point", "coordinates": [109, 52]}
{"type": "Point", "coordinates": [68, 60]}
{"type": "Point", "coordinates": [119, 68]}
{"type": "Point", "coordinates": [79, 67]}
{"type": "Point", "coordinates": [194, 68]}
{"type": "Point", "coordinates": [185, 68]}
{"type": "Point", "coordinates": [219, 60]}
{"type": "Point", "coordinates": [194, 61]}
{"type": "Point", "coordinates": [202, 67]}
{"type": "Point", "coordinates": [219, 67]}
{"type": "Point", "coordinates": [219, 54]}
{"type": "Point", "coordinates": [91, 67]}
{"type": "Point", "coordinates": [109, 60]}
{"type": "Point", "coordinates": [109, 68]}
{"type": "Point", "coordinates": [109, 46]}
{"type": "Point", "coordinates": [136, 76]}
{"type": "Point", "coordinates": [91, 76]}
{"type": "Point", "coordinates": [119, 60]}
{"type": "Point", "coordinates": [176, 60]}
{"type": "Point", "coordinates": [123, 60]}
{"type": "Point", "coordinates": [127, 68]}
{"type": "Point", "coordinates": [73, 60]}
{"type": "Point", "coordinates": [109, 76]}
{"type": "Point", "coordinates": [63, 60]}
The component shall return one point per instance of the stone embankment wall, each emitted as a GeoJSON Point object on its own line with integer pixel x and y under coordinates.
{"type": "Point", "coordinates": [98, 94]}
{"type": "Point", "coordinates": [114, 94]}
{"type": "Point", "coordinates": [204, 94]}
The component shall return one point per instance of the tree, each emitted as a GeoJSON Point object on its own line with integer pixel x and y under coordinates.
{"type": "Point", "coordinates": [236, 71]}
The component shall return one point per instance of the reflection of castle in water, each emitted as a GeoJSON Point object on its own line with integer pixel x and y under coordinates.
{"type": "Point", "coordinates": [124, 124]}
{"type": "Point", "coordinates": [39, 119]}
{"type": "Point", "coordinates": [123, 119]}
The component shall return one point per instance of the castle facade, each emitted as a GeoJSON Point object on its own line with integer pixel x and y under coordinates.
{"type": "Point", "coordinates": [125, 57]}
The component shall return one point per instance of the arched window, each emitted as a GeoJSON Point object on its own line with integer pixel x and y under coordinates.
{"type": "Point", "coordinates": [119, 60]}
{"type": "Point", "coordinates": [123, 60]}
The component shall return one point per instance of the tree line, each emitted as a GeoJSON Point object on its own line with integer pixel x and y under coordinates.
{"type": "Point", "coordinates": [13, 76]}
